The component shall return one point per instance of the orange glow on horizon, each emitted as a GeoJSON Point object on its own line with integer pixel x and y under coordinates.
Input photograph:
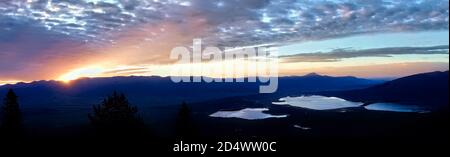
{"type": "Point", "coordinates": [370, 71]}
{"type": "Point", "coordinates": [92, 71]}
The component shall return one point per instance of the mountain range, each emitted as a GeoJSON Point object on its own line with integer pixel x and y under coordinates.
{"type": "Point", "coordinates": [53, 104]}
{"type": "Point", "coordinates": [429, 89]}
{"type": "Point", "coordinates": [49, 104]}
{"type": "Point", "coordinates": [155, 90]}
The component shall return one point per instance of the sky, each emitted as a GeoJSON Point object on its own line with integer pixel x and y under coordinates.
{"type": "Point", "coordinates": [68, 39]}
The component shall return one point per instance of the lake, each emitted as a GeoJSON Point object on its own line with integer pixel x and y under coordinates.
{"type": "Point", "coordinates": [316, 102]}
{"type": "Point", "coordinates": [247, 113]}
{"type": "Point", "coordinates": [393, 107]}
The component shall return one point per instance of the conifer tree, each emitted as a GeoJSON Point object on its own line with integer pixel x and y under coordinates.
{"type": "Point", "coordinates": [12, 118]}
{"type": "Point", "coordinates": [116, 113]}
{"type": "Point", "coordinates": [184, 125]}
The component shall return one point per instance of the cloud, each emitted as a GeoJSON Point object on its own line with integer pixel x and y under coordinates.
{"type": "Point", "coordinates": [339, 54]}
{"type": "Point", "coordinates": [29, 51]}
{"type": "Point", "coordinates": [126, 70]}
{"type": "Point", "coordinates": [292, 21]}
{"type": "Point", "coordinates": [233, 22]}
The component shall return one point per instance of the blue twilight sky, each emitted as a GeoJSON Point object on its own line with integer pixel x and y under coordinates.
{"type": "Point", "coordinates": [370, 41]}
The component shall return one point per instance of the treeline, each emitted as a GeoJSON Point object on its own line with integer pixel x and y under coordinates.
{"type": "Point", "coordinates": [115, 116]}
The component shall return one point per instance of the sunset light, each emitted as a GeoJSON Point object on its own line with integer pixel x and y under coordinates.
{"type": "Point", "coordinates": [80, 73]}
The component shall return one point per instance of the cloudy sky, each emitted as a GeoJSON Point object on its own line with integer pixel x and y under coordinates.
{"type": "Point", "coordinates": [66, 39]}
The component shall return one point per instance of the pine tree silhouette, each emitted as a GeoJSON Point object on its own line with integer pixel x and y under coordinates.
{"type": "Point", "coordinates": [184, 126]}
{"type": "Point", "coordinates": [115, 114]}
{"type": "Point", "coordinates": [12, 118]}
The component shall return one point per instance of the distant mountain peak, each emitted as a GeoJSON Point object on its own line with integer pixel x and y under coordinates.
{"type": "Point", "coordinates": [313, 74]}
{"type": "Point", "coordinates": [428, 89]}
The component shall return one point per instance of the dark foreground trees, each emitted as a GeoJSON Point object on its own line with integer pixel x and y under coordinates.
{"type": "Point", "coordinates": [116, 116]}
{"type": "Point", "coordinates": [11, 125]}
{"type": "Point", "coordinates": [185, 128]}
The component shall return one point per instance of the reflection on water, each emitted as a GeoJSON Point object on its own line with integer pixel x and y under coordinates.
{"type": "Point", "coordinates": [301, 127]}
{"type": "Point", "coordinates": [395, 107]}
{"type": "Point", "coordinates": [317, 102]}
{"type": "Point", "coordinates": [248, 113]}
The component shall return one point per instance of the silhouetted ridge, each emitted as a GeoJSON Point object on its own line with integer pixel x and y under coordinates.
{"type": "Point", "coordinates": [430, 89]}
{"type": "Point", "coordinates": [162, 91]}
